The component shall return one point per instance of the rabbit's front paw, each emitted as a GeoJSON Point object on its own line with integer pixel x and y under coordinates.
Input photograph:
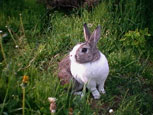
{"type": "Point", "coordinates": [101, 88]}
{"type": "Point", "coordinates": [102, 91]}
{"type": "Point", "coordinates": [96, 94]}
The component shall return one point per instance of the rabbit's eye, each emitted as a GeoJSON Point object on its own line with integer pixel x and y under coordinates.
{"type": "Point", "coordinates": [84, 50]}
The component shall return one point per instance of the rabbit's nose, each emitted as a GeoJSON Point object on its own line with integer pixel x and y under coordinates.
{"type": "Point", "coordinates": [76, 57]}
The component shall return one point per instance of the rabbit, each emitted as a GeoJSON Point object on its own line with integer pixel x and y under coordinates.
{"type": "Point", "coordinates": [85, 65]}
{"type": "Point", "coordinates": [88, 65]}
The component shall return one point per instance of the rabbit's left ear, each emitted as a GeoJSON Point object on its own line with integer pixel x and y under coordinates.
{"type": "Point", "coordinates": [95, 37]}
{"type": "Point", "coordinates": [86, 32]}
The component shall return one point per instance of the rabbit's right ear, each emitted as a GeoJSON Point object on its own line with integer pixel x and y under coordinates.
{"type": "Point", "coordinates": [95, 36]}
{"type": "Point", "coordinates": [86, 32]}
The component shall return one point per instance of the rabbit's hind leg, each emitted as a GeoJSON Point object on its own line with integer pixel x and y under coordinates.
{"type": "Point", "coordinates": [77, 89]}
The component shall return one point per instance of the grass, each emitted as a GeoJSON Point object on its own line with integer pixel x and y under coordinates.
{"type": "Point", "coordinates": [36, 42]}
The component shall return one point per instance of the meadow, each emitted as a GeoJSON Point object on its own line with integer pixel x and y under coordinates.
{"type": "Point", "coordinates": [34, 39]}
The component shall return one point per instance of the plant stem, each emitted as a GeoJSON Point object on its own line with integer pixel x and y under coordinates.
{"type": "Point", "coordinates": [11, 35]}
{"type": "Point", "coordinates": [4, 100]}
{"type": "Point", "coordinates": [23, 101]}
{"type": "Point", "coordinates": [22, 27]}
{"type": "Point", "coordinates": [2, 50]}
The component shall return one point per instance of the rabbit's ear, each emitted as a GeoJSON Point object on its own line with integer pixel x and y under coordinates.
{"type": "Point", "coordinates": [95, 37]}
{"type": "Point", "coordinates": [86, 32]}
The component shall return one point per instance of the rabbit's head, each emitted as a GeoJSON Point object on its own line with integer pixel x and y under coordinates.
{"type": "Point", "coordinates": [87, 51]}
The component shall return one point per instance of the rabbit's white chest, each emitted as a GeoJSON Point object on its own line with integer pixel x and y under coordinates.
{"type": "Point", "coordinates": [97, 70]}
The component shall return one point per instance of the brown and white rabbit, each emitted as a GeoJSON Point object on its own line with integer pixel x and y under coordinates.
{"type": "Point", "coordinates": [87, 65]}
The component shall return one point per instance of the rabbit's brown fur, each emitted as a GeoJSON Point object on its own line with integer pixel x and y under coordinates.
{"type": "Point", "coordinates": [64, 71]}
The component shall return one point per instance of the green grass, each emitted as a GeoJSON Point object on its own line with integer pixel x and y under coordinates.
{"type": "Point", "coordinates": [36, 42]}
